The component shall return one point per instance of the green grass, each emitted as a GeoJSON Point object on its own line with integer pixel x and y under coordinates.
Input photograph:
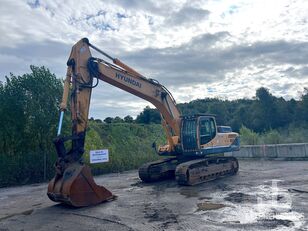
{"type": "Point", "coordinates": [129, 145]}
{"type": "Point", "coordinates": [290, 134]}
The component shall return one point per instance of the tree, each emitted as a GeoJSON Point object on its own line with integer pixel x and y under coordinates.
{"type": "Point", "coordinates": [265, 112]}
{"type": "Point", "coordinates": [108, 120]}
{"type": "Point", "coordinates": [117, 119]}
{"type": "Point", "coordinates": [128, 119]}
{"type": "Point", "coordinates": [98, 121]}
{"type": "Point", "coordinates": [148, 116]}
{"type": "Point", "coordinates": [264, 95]}
{"type": "Point", "coordinates": [303, 106]}
{"type": "Point", "coordinates": [29, 107]}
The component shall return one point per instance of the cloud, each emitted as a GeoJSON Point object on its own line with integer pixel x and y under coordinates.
{"type": "Point", "coordinates": [50, 54]}
{"type": "Point", "coordinates": [279, 51]}
{"type": "Point", "coordinates": [110, 101]}
{"type": "Point", "coordinates": [187, 15]}
{"type": "Point", "coordinates": [197, 49]}
{"type": "Point", "coordinates": [161, 8]}
{"type": "Point", "coordinates": [201, 61]}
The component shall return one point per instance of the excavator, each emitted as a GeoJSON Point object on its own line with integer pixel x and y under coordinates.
{"type": "Point", "coordinates": [190, 155]}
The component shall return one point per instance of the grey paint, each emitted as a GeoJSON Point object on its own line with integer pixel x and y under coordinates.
{"type": "Point", "coordinates": [270, 151]}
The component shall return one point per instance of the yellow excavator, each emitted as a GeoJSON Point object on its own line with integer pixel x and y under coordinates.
{"type": "Point", "coordinates": [192, 141]}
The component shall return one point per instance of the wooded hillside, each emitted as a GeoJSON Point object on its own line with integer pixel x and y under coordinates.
{"type": "Point", "coordinates": [29, 116]}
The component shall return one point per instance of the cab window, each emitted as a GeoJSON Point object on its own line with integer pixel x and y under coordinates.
{"type": "Point", "coordinates": [207, 130]}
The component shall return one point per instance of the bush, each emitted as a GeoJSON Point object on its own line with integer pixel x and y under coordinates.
{"type": "Point", "coordinates": [271, 137]}
{"type": "Point", "coordinates": [248, 136]}
{"type": "Point", "coordinates": [129, 145]}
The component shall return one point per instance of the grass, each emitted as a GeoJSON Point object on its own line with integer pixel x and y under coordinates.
{"type": "Point", "coordinates": [129, 145]}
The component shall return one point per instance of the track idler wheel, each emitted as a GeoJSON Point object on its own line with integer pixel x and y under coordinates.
{"type": "Point", "coordinates": [76, 187]}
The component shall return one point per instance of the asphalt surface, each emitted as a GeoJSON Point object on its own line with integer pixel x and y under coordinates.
{"type": "Point", "coordinates": [264, 195]}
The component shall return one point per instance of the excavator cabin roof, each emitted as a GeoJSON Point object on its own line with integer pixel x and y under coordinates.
{"type": "Point", "coordinates": [197, 115]}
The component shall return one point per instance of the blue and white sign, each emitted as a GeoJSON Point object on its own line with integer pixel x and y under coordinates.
{"type": "Point", "coordinates": [99, 156]}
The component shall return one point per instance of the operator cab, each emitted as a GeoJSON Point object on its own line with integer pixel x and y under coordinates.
{"type": "Point", "coordinates": [201, 136]}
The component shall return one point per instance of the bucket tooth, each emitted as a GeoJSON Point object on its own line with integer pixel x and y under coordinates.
{"type": "Point", "coordinates": [76, 187]}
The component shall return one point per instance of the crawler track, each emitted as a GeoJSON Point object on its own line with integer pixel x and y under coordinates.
{"type": "Point", "coordinates": [158, 170]}
{"type": "Point", "coordinates": [202, 170]}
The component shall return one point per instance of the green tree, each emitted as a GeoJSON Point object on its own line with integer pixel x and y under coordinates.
{"type": "Point", "coordinates": [108, 120]}
{"type": "Point", "coordinates": [302, 112]}
{"type": "Point", "coordinates": [148, 116]}
{"type": "Point", "coordinates": [117, 119]}
{"type": "Point", "coordinates": [264, 110]}
{"type": "Point", "coordinates": [128, 119]}
{"type": "Point", "coordinates": [29, 109]}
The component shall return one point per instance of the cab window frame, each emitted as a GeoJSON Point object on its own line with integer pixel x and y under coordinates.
{"type": "Point", "coordinates": [207, 130]}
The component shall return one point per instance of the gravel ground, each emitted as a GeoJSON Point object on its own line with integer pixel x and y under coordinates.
{"type": "Point", "coordinates": [264, 195]}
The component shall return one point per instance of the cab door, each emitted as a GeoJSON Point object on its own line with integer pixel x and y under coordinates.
{"type": "Point", "coordinates": [207, 129]}
{"type": "Point", "coordinates": [189, 137]}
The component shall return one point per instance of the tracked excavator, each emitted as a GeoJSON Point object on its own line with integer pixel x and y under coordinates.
{"type": "Point", "coordinates": [193, 141]}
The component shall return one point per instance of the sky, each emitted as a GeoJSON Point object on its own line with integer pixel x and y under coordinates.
{"type": "Point", "coordinates": [197, 49]}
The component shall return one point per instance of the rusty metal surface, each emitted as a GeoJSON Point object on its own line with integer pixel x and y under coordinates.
{"type": "Point", "coordinates": [76, 187]}
{"type": "Point", "coordinates": [264, 195]}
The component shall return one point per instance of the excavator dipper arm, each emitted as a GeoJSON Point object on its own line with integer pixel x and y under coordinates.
{"type": "Point", "coordinates": [73, 183]}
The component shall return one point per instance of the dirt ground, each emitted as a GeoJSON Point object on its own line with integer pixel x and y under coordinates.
{"type": "Point", "coordinates": [264, 195]}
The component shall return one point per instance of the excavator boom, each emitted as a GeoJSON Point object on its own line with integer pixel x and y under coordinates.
{"type": "Point", "coordinates": [73, 183]}
{"type": "Point", "coordinates": [189, 139]}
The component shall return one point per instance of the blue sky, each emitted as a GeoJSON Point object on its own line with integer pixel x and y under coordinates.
{"type": "Point", "coordinates": [197, 49]}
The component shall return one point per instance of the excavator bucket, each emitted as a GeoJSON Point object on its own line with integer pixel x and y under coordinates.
{"type": "Point", "coordinates": [76, 187]}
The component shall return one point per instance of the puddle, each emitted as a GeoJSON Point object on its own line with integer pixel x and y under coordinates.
{"type": "Point", "coordinates": [267, 206]}
{"type": "Point", "coordinates": [239, 197]}
{"type": "Point", "coordinates": [275, 223]}
{"type": "Point", "coordinates": [160, 214]}
{"type": "Point", "coordinates": [205, 198]}
{"type": "Point", "coordinates": [223, 187]}
{"type": "Point", "coordinates": [189, 192]}
{"type": "Point", "coordinates": [204, 206]}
